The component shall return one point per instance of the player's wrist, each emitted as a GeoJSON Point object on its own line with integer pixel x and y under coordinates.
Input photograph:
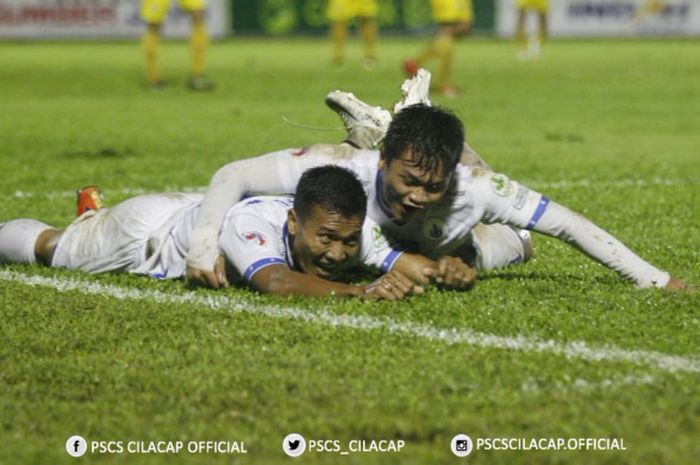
{"type": "Point", "coordinates": [346, 290]}
{"type": "Point", "coordinates": [355, 291]}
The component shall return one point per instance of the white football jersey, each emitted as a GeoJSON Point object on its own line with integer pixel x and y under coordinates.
{"type": "Point", "coordinates": [150, 235]}
{"type": "Point", "coordinates": [476, 195]}
{"type": "Point", "coordinates": [254, 235]}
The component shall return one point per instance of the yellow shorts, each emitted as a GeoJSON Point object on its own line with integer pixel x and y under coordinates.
{"type": "Point", "coordinates": [344, 10]}
{"type": "Point", "coordinates": [154, 11]}
{"type": "Point", "coordinates": [539, 5]}
{"type": "Point", "coordinates": [452, 11]}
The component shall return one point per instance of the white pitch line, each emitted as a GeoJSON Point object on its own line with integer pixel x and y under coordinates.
{"type": "Point", "coordinates": [572, 350]}
{"type": "Point", "coordinates": [127, 191]}
{"type": "Point", "coordinates": [539, 185]}
{"type": "Point", "coordinates": [534, 385]}
{"type": "Point", "coordinates": [568, 184]}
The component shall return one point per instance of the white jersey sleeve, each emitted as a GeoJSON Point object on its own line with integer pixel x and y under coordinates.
{"type": "Point", "coordinates": [376, 251]}
{"type": "Point", "coordinates": [274, 173]}
{"type": "Point", "coordinates": [506, 201]}
{"type": "Point", "coordinates": [251, 244]}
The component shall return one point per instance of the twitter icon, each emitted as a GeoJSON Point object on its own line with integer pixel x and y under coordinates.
{"type": "Point", "coordinates": [294, 445]}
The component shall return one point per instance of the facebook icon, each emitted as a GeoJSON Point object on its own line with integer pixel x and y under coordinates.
{"type": "Point", "coordinates": [76, 446]}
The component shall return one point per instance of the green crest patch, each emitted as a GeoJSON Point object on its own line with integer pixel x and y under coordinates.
{"type": "Point", "coordinates": [501, 185]}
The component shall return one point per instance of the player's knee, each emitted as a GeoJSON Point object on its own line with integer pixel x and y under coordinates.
{"type": "Point", "coordinates": [197, 16]}
{"type": "Point", "coordinates": [499, 247]}
{"type": "Point", "coordinates": [528, 249]}
{"type": "Point", "coordinates": [463, 29]}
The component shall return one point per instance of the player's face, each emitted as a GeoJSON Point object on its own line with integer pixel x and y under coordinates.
{"type": "Point", "coordinates": [326, 242]}
{"type": "Point", "coordinates": [407, 188]}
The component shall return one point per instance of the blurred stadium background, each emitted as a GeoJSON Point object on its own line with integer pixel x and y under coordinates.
{"type": "Point", "coordinates": [606, 122]}
{"type": "Point", "coordinates": [120, 18]}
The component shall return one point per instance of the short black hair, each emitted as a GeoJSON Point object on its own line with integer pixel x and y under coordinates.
{"type": "Point", "coordinates": [434, 135]}
{"type": "Point", "coordinates": [332, 188]}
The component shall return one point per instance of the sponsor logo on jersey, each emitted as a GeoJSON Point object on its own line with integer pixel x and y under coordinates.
{"type": "Point", "coordinates": [501, 185]}
{"type": "Point", "coordinates": [378, 237]}
{"type": "Point", "coordinates": [435, 228]}
{"type": "Point", "coordinates": [520, 197]}
{"type": "Point", "coordinates": [255, 236]}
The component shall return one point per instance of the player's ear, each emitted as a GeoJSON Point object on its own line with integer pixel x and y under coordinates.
{"type": "Point", "coordinates": [292, 222]}
{"type": "Point", "coordinates": [382, 162]}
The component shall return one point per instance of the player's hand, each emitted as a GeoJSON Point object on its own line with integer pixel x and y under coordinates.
{"type": "Point", "coordinates": [676, 284]}
{"type": "Point", "coordinates": [214, 279]}
{"type": "Point", "coordinates": [391, 286]}
{"type": "Point", "coordinates": [220, 271]}
{"type": "Point", "coordinates": [452, 273]}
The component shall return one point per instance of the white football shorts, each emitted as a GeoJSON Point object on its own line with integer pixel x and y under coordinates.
{"type": "Point", "coordinates": [117, 239]}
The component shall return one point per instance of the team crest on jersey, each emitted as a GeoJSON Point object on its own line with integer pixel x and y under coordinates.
{"type": "Point", "coordinates": [255, 236]}
{"type": "Point", "coordinates": [501, 185]}
{"type": "Point", "coordinates": [435, 228]}
{"type": "Point", "coordinates": [378, 237]}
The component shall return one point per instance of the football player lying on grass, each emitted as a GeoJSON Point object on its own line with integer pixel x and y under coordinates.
{"type": "Point", "coordinates": [420, 194]}
{"type": "Point", "coordinates": [280, 245]}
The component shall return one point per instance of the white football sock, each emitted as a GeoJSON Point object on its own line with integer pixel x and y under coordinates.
{"type": "Point", "coordinates": [17, 240]}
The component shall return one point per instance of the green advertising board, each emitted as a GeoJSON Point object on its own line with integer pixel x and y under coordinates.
{"type": "Point", "coordinates": [279, 17]}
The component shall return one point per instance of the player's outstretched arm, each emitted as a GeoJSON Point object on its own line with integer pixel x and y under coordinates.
{"type": "Point", "coordinates": [280, 280]}
{"type": "Point", "coordinates": [600, 245]}
{"type": "Point", "coordinates": [508, 202]}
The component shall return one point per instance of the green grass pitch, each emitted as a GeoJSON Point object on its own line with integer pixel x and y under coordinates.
{"type": "Point", "coordinates": [610, 129]}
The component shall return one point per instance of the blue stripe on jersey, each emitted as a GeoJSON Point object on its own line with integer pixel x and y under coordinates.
{"type": "Point", "coordinates": [390, 259]}
{"type": "Point", "coordinates": [541, 208]}
{"type": "Point", "coordinates": [287, 201]}
{"type": "Point", "coordinates": [379, 180]}
{"type": "Point", "coordinates": [287, 249]}
{"type": "Point", "coordinates": [260, 264]}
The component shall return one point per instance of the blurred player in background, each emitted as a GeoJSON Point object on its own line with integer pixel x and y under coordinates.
{"type": "Point", "coordinates": [649, 8]}
{"type": "Point", "coordinates": [532, 48]}
{"type": "Point", "coordinates": [454, 19]}
{"type": "Point", "coordinates": [340, 13]}
{"type": "Point", "coordinates": [153, 13]}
